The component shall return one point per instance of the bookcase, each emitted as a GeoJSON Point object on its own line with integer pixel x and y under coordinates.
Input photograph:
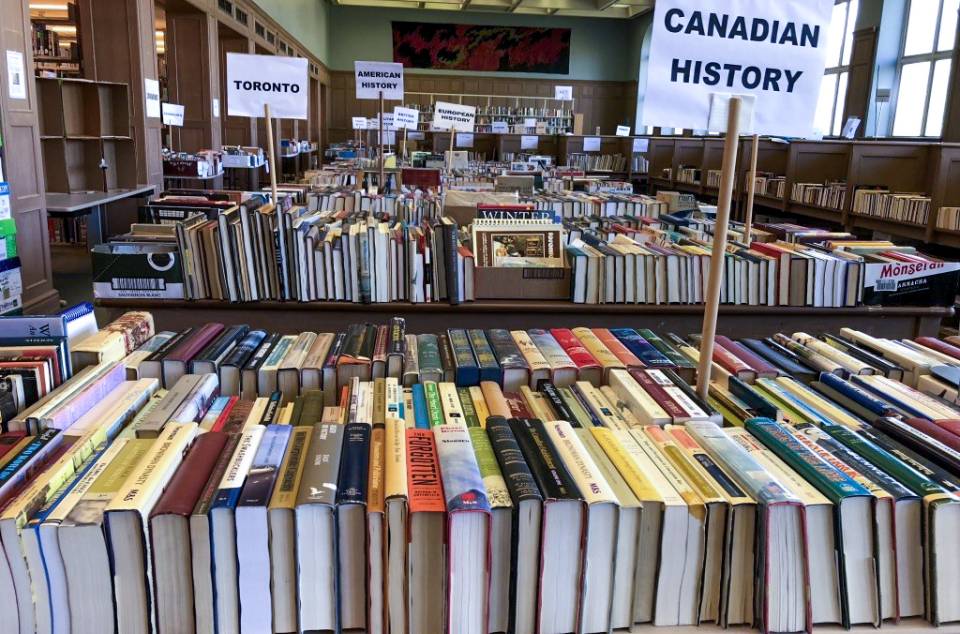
{"type": "Point", "coordinates": [85, 135]}
{"type": "Point", "coordinates": [928, 168]}
{"type": "Point", "coordinates": [547, 145]}
{"type": "Point", "coordinates": [483, 143]}
{"type": "Point", "coordinates": [56, 37]}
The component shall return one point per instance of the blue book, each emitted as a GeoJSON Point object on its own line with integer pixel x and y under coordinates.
{"type": "Point", "coordinates": [266, 463]}
{"type": "Point", "coordinates": [753, 400]}
{"type": "Point", "coordinates": [641, 348]}
{"type": "Point", "coordinates": [467, 370]}
{"type": "Point", "coordinates": [486, 360]}
{"type": "Point", "coordinates": [354, 463]}
{"type": "Point", "coordinates": [420, 415]}
{"type": "Point", "coordinates": [859, 395]}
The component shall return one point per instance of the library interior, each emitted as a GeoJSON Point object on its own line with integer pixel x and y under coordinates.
{"type": "Point", "coordinates": [479, 316]}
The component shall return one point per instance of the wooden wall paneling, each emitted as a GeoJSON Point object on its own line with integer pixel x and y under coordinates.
{"type": "Point", "coordinates": [193, 77]}
{"type": "Point", "coordinates": [860, 80]}
{"type": "Point", "coordinates": [119, 46]}
{"type": "Point", "coordinates": [236, 130]}
{"type": "Point", "coordinates": [23, 164]}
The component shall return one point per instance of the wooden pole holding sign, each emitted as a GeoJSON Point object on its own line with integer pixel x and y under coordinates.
{"type": "Point", "coordinates": [453, 136]}
{"type": "Point", "coordinates": [751, 187]}
{"type": "Point", "coordinates": [381, 182]}
{"type": "Point", "coordinates": [727, 177]}
{"type": "Point", "coordinates": [272, 150]}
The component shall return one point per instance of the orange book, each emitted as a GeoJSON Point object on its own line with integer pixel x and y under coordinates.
{"type": "Point", "coordinates": [424, 486]}
{"type": "Point", "coordinates": [496, 402]}
{"type": "Point", "coordinates": [619, 350]}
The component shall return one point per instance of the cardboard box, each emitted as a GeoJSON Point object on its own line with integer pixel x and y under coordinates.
{"type": "Point", "coordinates": [908, 284]}
{"type": "Point", "coordinates": [522, 283]}
{"type": "Point", "coordinates": [143, 271]}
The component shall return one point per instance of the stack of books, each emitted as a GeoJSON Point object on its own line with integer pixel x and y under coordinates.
{"type": "Point", "coordinates": [571, 204]}
{"type": "Point", "coordinates": [830, 195]}
{"type": "Point", "coordinates": [598, 162]}
{"type": "Point", "coordinates": [568, 480]}
{"type": "Point", "coordinates": [902, 207]}
{"type": "Point", "coordinates": [949, 218]}
{"type": "Point", "coordinates": [769, 184]}
{"type": "Point", "coordinates": [689, 175]}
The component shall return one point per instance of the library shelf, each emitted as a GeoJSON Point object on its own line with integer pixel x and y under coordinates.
{"type": "Point", "coordinates": [735, 321]}
{"type": "Point", "coordinates": [905, 626]}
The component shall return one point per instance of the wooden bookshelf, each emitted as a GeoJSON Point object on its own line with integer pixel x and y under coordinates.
{"type": "Point", "coordinates": [735, 321]}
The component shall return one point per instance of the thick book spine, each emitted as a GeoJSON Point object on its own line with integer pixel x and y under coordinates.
{"type": "Point", "coordinates": [188, 484]}
{"type": "Point", "coordinates": [446, 357]}
{"type": "Point", "coordinates": [580, 356]}
{"type": "Point", "coordinates": [505, 348]}
{"type": "Point", "coordinates": [431, 394]}
{"type": "Point", "coordinates": [468, 371]}
{"type": "Point", "coordinates": [424, 486]}
{"type": "Point", "coordinates": [466, 405]}
{"type": "Point", "coordinates": [486, 360]}
{"type": "Point", "coordinates": [642, 348]}
{"type": "Point", "coordinates": [549, 390]}
{"type": "Point", "coordinates": [463, 485]}
{"type": "Point", "coordinates": [428, 353]}
{"type": "Point", "coordinates": [266, 464]}
{"type": "Point", "coordinates": [354, 464]}
{"type": "Point", "coordinates": [551, 476]}
{"type": "Point", "coordinates": [659, 394]}
{"type": "Point", "coordinates": [450, 250]}
{"type": "Point", "coordinates": [664, 347]}
{"type": "Point", "coordinates": [420, 414]}
{"type": "Point", "coordinates": [320, 480]}
{"type": "Point", "coordinates": [395, 340]}
{"type": "Point", "coordinates": [516, 473]}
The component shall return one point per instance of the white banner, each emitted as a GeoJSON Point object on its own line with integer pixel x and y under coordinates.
{"type": "Point", "coordinates": [374, 78]}
{"type": "Point", "coordinates": [254, 81]}
{"type": "Point", "coordinates": [405, 118]}
{"type": "Point", "coordinates": [171, 114]}
{"type": "Point", "coordinates": [359, 123]}
{"type": "Point", "coordinates": [775, 51]}
{"type": "Point", "coordinates": [453, 116]}
{"type": "Point", "coordinates": [563, 93]}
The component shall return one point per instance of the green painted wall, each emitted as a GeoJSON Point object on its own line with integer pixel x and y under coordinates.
{"type": "Point", "coordinates": [306, 20]}
{"type": "Point", "coordinates": [601, 48]}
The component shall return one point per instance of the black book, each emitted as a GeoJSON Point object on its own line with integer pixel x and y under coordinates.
{"type": "Point", "coordinates": [917, 461]}
{"type": "Point", "coordinates": [396, 346]}
{"type": "Point", "coordinates": [446, 358]}
{"type": "Point", "coordinates": [754, 401]}
{"type": "Point", "coordinates": [152, 366]}
{"type": "Point", "coordinates": [781, 358]}
{"type": "Point", "coordinates": [251, 371]}
{"type": "Point", "coordinates": [888, 369]}
{"type": "Point", "coordinates": [527, 509]}
{"type": "Point", "coordinates": [451, 252]}
{"type": "Point", "coordinates": [560, 407]}
{"type": "Point", "coordinates": [209, 359]}
{"type": "Point", "coordinates": [351, 522]}
{"type": "Point", "coordinates": [550, 474]}
{"type": "Point", "coordinates": [920, 442]}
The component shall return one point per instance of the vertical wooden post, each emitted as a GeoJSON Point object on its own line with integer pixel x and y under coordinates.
{"type": "Point", "coordinates": [382, 183]}
{"type": "Point", "coordinates": [273, 153]}
{"type": "Point", "coordinates": [751, 187]}
{"type": "Point", "coordinates": [727, 177]}
{"type": "Point", "coordinates": [405, 130]}
{"type": "Point", "coordinates": [453, 135]}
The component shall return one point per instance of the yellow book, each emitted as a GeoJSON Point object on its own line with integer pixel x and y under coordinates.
{"type": "Point", "coordinates": [379, 400]}
{"type": "Point", "coordinates": [607, 360]}
{"type": "Point", "coordinates": [538, 404]}
{"type": "Point", "coordinates": [609, 415]}
{"type": "Point", "coordinates": [331, 414]}
{"type": "Point", "coordinates": [104, 346]}
{"type": "Point", "coordinates": [288, 483]}
{"type": "Point", "coordinates": [409, 416]}
{"type": "Point", "coordinates": [479, 404]}
{"type": "Point", "coordinates": [818, 403]}
{"type": "Point", "coordinates": [628, 418]}
{"type": "Point", "coordinates": [450, 402]}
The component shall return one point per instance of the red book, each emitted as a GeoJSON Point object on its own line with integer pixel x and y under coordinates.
{"type": "Point", "coordinates": [729, 362]}
{"type": "Point", "coordinates": [424, 485]}
{"type": "Point", "coordinates": [935, 431]}
{"type": "Point", "coordinates": [176, 362]}
{"type": "Point", "coordinates": [660, 395]}
{"type": "Point", "coordinates": [191, 477]}
{"type": "Point", "coordinates": [763, 369]}
{"type": "Point", "coordinates": [952, 425]}
{"type": "Point", "coordinates": [379, 367]}
{"type": "Point", "coordinates": [233, 416]}
{"type": "Point", "coordinates": [939, 346]}
{"type": "Point", "coordinates": [588, 369]}
{"type": "Point", "coordinates": [616, 346]}
{"type": "Point", "coordinates": [518, 406]}
{"type": "Point", "coordinates": [10, 440]}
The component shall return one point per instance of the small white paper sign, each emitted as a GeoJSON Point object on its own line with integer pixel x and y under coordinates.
{"type": "Point", "coordinates": [623, 130]}
{"type": "Point", "coordinates": [591, 144]}
{"type": "Point", "coordinates": [388, 121]}
{"type": "Point", "coordinates": [16, 76]}
{"type": "Point", "coordinates": [376, 78]}
{"type": "Point", "coordinates": [453, 116]}
{"type": "Point", "coordinates": [151, 94]}
{"type": "Point", "coordinates": [216, 108]}
{"type": "Point", "coordinates": [254, 81]}
{"type": "Point", "coordinates": [499, 127]}
{"type": "Point", "coordinates": [172, 114]}
{"type": "Point", "coordinates": [530, 122]}
{"type": "Point", "coordinates": [720, 112]}
{"type": "Point", "coordinates": [416, 136]}
{"type": "Point", "coordinates": [641, 145]}
{"type": "Point", "coordinates": [850, 127]}
{"type": "Point", "coordinates": [529, 142]}
{"type": "Point", "coordinates": [464, 139]}
{"type": "Point", "coordinates": [563, 93]}
{"type": "Point", "coordinates": [405, 118]}
{"type": "Point", "coordinates": [389, 137]}
{"type": "Point", "coordinates": [359, 123]}
{"type": "Point", "coordinates": [775, 51]}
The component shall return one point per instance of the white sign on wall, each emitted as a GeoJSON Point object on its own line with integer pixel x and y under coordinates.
{"type": "Point", "coordinates": [453, 116]}
{"type": "Point", "coordinates": [216, 108]}
{"type": "Point", "coordinates": [376, 78]}
{"type": "Point", "coordinates": [464, 139]}
{"type": "Point", "coordinates": [254, 81]}
{"type": "Point", "coordinates": [172, 114]}
{"type": "Point", "coordinates": [623, 130]}
{"type": "Point", "coordinates": [641, 145]}
{"type": "Point", "coordinates": [499, 127]}
{"type": "Point", "coordinates": [563, 93]}
{"type": "Point", "coordinates": [591, 144]}
{"type": "Point", "coordinates": [405, 118]}
{"type": "Point", "coordinates": [530, 122]}
{"type": "Point", "coordinates": [151, 95]}
{"type": "Point", "coordinates": [775, 51]}
{"type": "Point", "coordinates": [529, 142]}
{"type": "Point", "coordinates": [359, 123]}
{"type": "Point", "coordinates": [16, 75]}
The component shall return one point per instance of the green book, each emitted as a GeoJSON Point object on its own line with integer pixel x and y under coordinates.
{"type": "Point", "coordinates": [311, 408]}
{"type": "Point", "coordinates": [497, 493]}
{"type": "Point", "coordinates": [684, 365]}
{"type": "Point", "coordinates": [434, 409]}
{"type": "Point", "coordinates": [469, 411]}
{"type": "Point", "coordinates": [428, 357]}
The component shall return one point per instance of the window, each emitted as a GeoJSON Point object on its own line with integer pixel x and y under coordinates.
{"type": "Point", "coordinates": [833, 90]}
{"type": "Point", "coordinates": [923, 74]}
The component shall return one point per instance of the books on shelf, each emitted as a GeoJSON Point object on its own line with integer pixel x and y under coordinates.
{"type": "Point", "coordinates": [598, 504]}
{"type": "Point", "coordinates": [830, 195]}
{"type": "Point", "coordinates": [882, 203]}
